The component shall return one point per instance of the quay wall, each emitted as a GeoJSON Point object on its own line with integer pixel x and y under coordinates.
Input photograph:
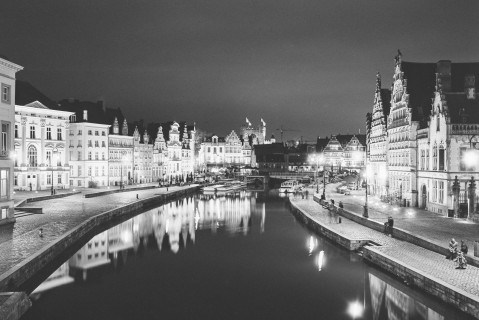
{"type": "Point", "coordinates": [461, 299]}
{"type": "Point", "coordinates": [55, 196]}
{"type": "Point", "coordinates": [344, 241]}
{"type": "Point", "coordinates": [104, 193]}
{"type": "Point", "coordinates": [398, 233]}
{"type": "Point", "coordinates": [21, 273]}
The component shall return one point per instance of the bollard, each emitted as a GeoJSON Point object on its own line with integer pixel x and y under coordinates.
{"type": "Point", "coordinates": [137, 196]}
{"type": "Point", "coordinates": [476, 248]}
{"type": "Point", "coordinates": [339, 220]}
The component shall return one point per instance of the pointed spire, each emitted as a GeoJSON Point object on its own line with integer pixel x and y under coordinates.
{"type": "Point", "coordinates": [378, 82]}
{"type": "Point", "coordinates": [159, 135]}
{"type": "Point", "coordinates": [136, 134]}
{"type": "Point", "coordinates": [146, 138]}
{"type": "Point", "coordinates": [116, 127]}
{"type": "Point", "coordinates": [398, 57]}
{"type": "Point", "coordinates": [124, 128]}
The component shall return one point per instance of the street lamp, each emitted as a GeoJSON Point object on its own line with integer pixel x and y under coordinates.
{"type": "Point", "coordinates": [123, 159]}
{"type": "Point", "coordinates": [54, 151]}
{"type": "Point", "coordinates": [317, 159]}
{"type": "Point", "coordinates": [365, 211]}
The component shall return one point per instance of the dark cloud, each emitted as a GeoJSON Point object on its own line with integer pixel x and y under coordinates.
{"type": "Point", "coordinates": [307, 65]}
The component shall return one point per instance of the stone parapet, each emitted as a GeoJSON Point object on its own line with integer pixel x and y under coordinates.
{"type": "Point", "coordinates": [13, 305]}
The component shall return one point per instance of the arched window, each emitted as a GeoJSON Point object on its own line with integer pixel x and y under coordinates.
{"type": "Point", "coordinates": [32, 156]}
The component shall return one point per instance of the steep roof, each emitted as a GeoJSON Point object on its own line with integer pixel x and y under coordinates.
{"type": "Point", "coordinates": [459, 72]}
{"type": "Point", "coordinates": [97, 112]}
{"type": "Point", "coordinates": [421, 82]}
{"type": "Point", "coordinates": [461, 109]}
{"type": "Point", "coordinates": [321, 143]}
{"type": "Point", "coordinates": [26, 93]}
{"type": "Point", "coordinates": [386, 101]}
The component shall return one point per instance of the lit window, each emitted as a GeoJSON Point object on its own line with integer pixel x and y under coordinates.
{"type": "Point", "coordinates": [4, 175]}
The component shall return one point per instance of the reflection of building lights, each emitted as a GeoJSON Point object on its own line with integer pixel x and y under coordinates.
{"type": "Point", "coordinates": [320, 260]}
{"type": "Point", "coordinates": [126, 236]}
{"type": "Point", "coordinates": [355, 309]}
{"type": "Point", "coordinates": [311, 245]}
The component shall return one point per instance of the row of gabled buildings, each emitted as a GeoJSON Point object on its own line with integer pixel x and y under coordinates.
{"type": "Point", "coordinates": [49, 145]}
{"type": "Point", "coordinates": [57, 149]}
{"type": "Point", "coordinates": [423, 136]}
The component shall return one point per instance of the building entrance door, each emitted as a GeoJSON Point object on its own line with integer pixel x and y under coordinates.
{"type": "Point", "coordinates": [32, 182]}
{"type": "Point", "coordinates": [424, 197]}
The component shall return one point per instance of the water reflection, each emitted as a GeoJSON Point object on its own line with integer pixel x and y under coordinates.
{"type": "Point", "coordinates": [285, 256]}
{"type": "Point", "coordinates": [173, 226]}
{"type": "Point", "coordinates": [388, 302]}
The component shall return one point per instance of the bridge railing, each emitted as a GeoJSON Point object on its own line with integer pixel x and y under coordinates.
{"type": "Point", "coordinates": [292, 174]}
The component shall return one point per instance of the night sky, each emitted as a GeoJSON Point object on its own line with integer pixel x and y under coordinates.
{"type": "Point", "coordinates": [306, 65]}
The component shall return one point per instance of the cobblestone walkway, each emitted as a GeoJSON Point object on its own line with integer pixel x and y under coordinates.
{"type": "Point", "coordinates": [59, 216]}
{"type": "Point", "coordinates": [435, 227]}
{"type": "Point", "coordinates": [427, 262]}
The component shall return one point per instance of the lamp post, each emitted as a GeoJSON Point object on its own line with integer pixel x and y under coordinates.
{"type": "Point", "coordinates": [316, 159]}
{"type": "Point", "coordinates": [122, 161]}
{"type": "Point", "coordinates": [55, 150]}
{"type": "Point", "coordinates": [365, 211]}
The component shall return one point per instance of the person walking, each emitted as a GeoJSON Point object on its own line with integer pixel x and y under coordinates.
{"type": "Point", "coordinates": [452, 249]}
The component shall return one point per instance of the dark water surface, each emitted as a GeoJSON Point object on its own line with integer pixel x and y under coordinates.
{"type": "Point", "coordinates": [235, 257]}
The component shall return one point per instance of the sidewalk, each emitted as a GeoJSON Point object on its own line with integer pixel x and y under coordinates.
{"type": "Point", "coordinates": [59, 216]}
{"type": "Point", "coordinates": [436, 228]}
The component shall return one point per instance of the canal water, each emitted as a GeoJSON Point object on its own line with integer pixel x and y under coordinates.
{"type": "Point", "coordinates": [241, 256]}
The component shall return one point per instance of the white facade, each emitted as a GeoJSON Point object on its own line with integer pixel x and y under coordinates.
{"type": "Point", "coordinates": [430, 142]}
{"type": "Point", "coordinates": [120, 156]}
{"type": "Point", "coordinates": [142, 158]}
{"type": "Point", "coordinates": [89, 154]}
{"type": "Point", "coordinates": [7, 119]}
{"type": "Point", "coordinates": [41, 148]}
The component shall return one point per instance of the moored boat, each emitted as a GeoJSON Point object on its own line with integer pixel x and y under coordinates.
{"type": "Point", "coordinates": [289, 186]}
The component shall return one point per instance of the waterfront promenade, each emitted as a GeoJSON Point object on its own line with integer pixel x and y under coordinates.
{"type": "Point", "coordinates": [22, 239]}
{"type": "Point", "coordinates": [406, 260]}
{"type": "Point", "coordinates": [437, 228]}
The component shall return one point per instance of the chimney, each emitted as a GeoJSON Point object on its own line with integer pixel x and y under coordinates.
{"type": "Point", "coordinates": [85, 115]}
{"type": "Point", "coordinates": [443, 68]}
{"type": "Point", "coordinates": [470, 86]}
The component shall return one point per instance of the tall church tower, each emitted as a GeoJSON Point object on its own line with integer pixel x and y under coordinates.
{"type": "Point", "coordinates": [160, 140]}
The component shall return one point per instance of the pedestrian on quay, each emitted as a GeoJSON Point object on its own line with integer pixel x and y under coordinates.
{"type": "Point", "coordinates": [464, 248]}
{"type": "Point", "coordinates": [460, 260]}
{"type": "Point", "coordinates": [452, 249]}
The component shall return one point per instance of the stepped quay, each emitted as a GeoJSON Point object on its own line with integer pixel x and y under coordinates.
{"type": "Point", "coordinates": [417, 260]}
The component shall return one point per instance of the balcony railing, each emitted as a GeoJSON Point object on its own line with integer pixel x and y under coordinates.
{"type": "Point", "coordinates": [465, 129]}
